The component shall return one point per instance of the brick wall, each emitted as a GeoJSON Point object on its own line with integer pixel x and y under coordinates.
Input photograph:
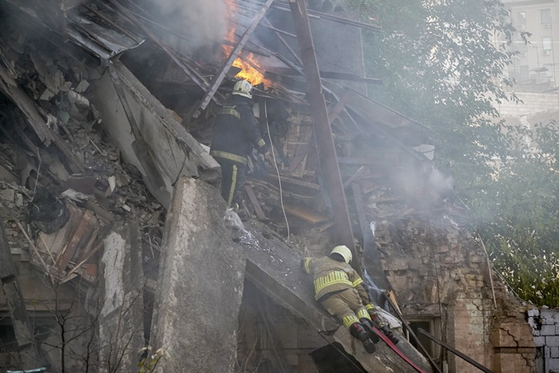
{"type": "Point", "coordinates": [439, 271]}
{"type": "Point", "coordinates": [545, 328]}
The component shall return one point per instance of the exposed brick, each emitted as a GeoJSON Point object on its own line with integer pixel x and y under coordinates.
{"type": "Point", "coordinates": [552, 365]}
{"type": "Point", "coordinates": [552, 341]}
{"type": "Point", "coordinates": [547, 330]}
{"type": "Point", "coordinates": [539, 341]}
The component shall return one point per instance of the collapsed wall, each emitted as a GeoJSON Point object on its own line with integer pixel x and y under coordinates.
{"type": "Point", "coordinates": [200, 284]}
{"type": "Point", "coordinates": [440, 274]}
{"type": "Point", "coordinates": [200, 289]}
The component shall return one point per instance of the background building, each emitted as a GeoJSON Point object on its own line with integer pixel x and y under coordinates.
{"type": "Point", "coordinates": [535, 68]}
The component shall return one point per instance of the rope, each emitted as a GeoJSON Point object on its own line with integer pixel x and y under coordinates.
{"type": "Point", "coordinates": [277, 170]}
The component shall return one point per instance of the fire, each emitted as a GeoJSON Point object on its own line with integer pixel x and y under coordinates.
{"type": "Point", "coordinates": [250, 65]}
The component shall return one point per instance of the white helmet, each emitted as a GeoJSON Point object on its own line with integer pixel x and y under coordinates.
{"type": "Point", "coordinates": [344, 251]}
{"type": "Point", "coordinates": [242, 88]}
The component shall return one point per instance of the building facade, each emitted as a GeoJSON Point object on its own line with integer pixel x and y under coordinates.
{"type": "Point", "coordinates": [535, 67]}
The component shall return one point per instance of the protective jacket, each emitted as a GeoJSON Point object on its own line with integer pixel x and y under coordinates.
{"type": "Point", "coordinates": [331, 276]}
{"type": "Point", "coordinates": [236, 132]}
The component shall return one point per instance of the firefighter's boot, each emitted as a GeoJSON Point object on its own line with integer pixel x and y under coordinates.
{"type": "Point", "coordinates": [358, 331]}
{"type": "Point", "coordinates": [390, 335]}
{"type": "Point", "coordinates": [368, 325]}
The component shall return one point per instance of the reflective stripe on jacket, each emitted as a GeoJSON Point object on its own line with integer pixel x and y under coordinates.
{"type": "Point", "coordinates": [235, 131]}
{"type": "Point", "coordinates": [333, 276]}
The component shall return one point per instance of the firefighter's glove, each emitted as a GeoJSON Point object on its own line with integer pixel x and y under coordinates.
{"type": "Point", "coordinates": [371, 309]}
{"type": "Point", "coordinates": [373, 313]}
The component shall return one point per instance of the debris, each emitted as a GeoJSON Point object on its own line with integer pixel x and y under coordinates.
{"type": "Point", "coordinates": [82, 86]}
{"type": "Point", "coordinates": [306, 214]}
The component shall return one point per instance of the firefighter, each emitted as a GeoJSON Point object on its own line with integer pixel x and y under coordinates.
{"type": "Point", "coordinates": [235, 134]}
{"type": "Point", "coordinates": [339, 289]}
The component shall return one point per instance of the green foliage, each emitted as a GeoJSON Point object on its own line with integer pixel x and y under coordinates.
{"type": "Point", "coordinates": [518, 215]}
{"type": "Point", "coordinates": [441, 65]}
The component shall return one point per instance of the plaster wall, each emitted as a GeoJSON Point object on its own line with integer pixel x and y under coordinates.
{"type": "Point", "coordinates": [173, 150]}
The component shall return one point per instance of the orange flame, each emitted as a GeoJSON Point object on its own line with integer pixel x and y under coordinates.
{"type": "Point", "coordinates": [249, 70]}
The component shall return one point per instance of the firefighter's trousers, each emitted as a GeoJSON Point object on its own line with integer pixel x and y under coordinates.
{"type": "Point", "coordinates": [233, 178]}
{"type": "Point", "coordinates": [346, 305]}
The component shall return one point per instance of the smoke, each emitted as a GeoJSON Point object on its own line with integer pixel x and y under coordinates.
{"type": "Point", "coordinates": [441, 183]}
{"type": "Point", "coordinates": [202, 21]}
{"type": "Point", "coordinates": [425, 186]}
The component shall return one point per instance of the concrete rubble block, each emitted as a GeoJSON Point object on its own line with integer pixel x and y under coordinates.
{"type": "Point", "coordinates": [274, 268]}
{"type": "Point", "coordinates": [121, 328]}
{"type": "Point", "coordinates": [384, 359]}
{"type": "Point", "coordinates": [200, 285]}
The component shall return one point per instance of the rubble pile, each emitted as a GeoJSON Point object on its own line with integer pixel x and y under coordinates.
{"type": "Point", "coordinates": [69, 161]}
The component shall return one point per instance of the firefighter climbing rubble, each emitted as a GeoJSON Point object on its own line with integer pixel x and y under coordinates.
{"type": "Point", "coordinates": [339, 289]}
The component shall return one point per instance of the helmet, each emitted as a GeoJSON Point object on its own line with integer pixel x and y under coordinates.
{"type": "Point", "coordinates": [344, 251]}
{"type": "Point", "coordinates": [242, 88]}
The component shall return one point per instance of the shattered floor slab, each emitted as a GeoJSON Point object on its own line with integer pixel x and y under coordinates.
{"type": "Point", "coordinates": [200, 287]}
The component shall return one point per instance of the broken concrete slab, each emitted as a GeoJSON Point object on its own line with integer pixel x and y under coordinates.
{"type": "Point", "coordinates": [201, 281]}
{"type": "Point", "coordinates": [384, 360]}
{"type": "Point", "coordinates": [274, 268]}
{"type": "Point", "coordinates": [173, 150]}
{"type": "Point", "coordinates": [121, 328]}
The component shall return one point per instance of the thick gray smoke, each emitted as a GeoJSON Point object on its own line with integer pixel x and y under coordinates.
{"type": "Point", "coordinates": [202, 21]}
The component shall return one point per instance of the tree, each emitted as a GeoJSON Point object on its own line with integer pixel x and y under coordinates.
{"type": "Point", "coordinates": [518, 215]}
{"type": "Point", "coordinates": [442, 66]}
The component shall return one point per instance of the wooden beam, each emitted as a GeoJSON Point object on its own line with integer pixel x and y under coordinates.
{"type": "Point", "coordinates": [254, 201]}
{"type": "Point", "coordinates": [322, 129]}
{"type": "Point", "coordinates": [336, 110]}
{"type": "Point", "coordinates": [307, 215]}
{"type": "Point", "coordinates": [352, 178]}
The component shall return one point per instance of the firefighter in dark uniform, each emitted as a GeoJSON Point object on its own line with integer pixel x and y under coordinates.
{"type": "Point", "coordinates": [339, 289]}
{"type": "Point", "coordinates": [235, 134]}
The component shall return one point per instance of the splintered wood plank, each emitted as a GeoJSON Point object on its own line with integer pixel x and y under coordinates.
{"type": "Point", "coordinates": [352, 178]}
{"type": "Point", "coordinates": [336, 110]}
{"type": "Point", "coordinates": [257, 208]}
{"type": "Point", "coordinates": [306, 214]}
{"type": "Point", "coordinates": [74, 241]}
{"type": "Point", "coordinates": [300, 154]}
{"type": "Point", "coordinates": [87, 240]}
